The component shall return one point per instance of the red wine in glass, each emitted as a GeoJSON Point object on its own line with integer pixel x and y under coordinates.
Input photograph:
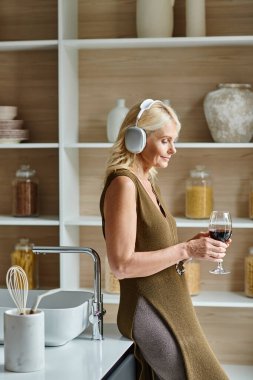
{"type": "Point", "coordinates": [220, 228]}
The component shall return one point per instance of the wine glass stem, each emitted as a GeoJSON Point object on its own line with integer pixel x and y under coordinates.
{"type": "Point", "coordinates": [220, 265]}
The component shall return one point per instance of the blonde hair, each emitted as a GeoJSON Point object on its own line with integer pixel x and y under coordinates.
{"type": "Point", "coordinates": [152, 119]}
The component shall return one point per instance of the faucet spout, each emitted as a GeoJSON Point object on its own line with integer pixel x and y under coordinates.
{"type": "Point", "coordinates": [97, 307]}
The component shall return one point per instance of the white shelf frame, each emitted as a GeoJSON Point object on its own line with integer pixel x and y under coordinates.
{"type": "Point", "coordinates": [182, 222]}
{"type": "Point", "coordinates": [180, 145]}
{"type": "Point", "coordinates": [28, 45]}
{"type": "Point", "coordinates": [148, 43]}
{"type": "Point", "coordinates": [68, 46]}
{"type": "Point", "coordinates": [45, 220]}
{"type": "Point", "coordinates": [30, 146]}
{"type": "Point", "coordinates": [204, 299]}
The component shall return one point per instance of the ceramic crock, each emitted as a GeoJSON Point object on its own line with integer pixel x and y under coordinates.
{"type": "Point", "coordinates": [229, 113]}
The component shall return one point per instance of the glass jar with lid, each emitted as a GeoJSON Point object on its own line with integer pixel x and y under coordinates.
{"type": "Point", "coordinates": [25, 192]}
{"type": "Point", "coordinates": [24, 257]}
{"type": "Point", "coordinates": [199, 194]}
{"type": "Point", "coordinates": [192, 276]}
{"type": "Point", "coordinates": [111, 282]}
{"type": "Point", "coordinates": [251, 200]}
{"type": "Point", "coordinates": [248, 279]}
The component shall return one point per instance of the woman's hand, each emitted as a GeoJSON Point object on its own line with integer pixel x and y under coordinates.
{"type": "Point", "coordinates": [205, 248]}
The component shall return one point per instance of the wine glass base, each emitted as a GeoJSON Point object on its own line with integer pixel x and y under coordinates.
{"type": "Point", "coordinates": [219, 271]}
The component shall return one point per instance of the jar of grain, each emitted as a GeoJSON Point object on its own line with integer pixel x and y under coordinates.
{"type": "Point", "coordinates": [25, 192]}
{"type": "Point", "coordinates": [199, 194]}
{"type": "Point", "coordinates": [248, 279]}
{"type": "Point", "coordinates": [192, 275]}
{"type": "Point", "coordinates": [24, 257]}
{"type": "Point", "coordinates": [111, 282]}
{"type": "Point", "coordinates": [251, 200]}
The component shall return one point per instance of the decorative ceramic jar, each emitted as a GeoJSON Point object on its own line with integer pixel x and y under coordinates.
{"type": "Point", "coordinates": [195, 18]}
{"type": "Point", "coordinates": [229, 113]}
{"type": "Point", "coordinates": [154, 18]}
{"type": "Point", "coordinates": [115, 118]}
{"type": "Point", "coordinates": [24, 341]}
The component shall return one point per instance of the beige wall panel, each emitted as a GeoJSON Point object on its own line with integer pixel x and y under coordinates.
{"type": "Point", "coordinates": [91, 237]}
{"type": "Point", "coordinates": [242, 239]}
{"type": "Point", "coordinates": [111, 313]}
{"type": "Point", "coordinates": [48, 264]}
{"type": "Point", "coordinates": [229, 332]}
{"type": "Point", "coordinates": [117, 18]}
{"type": "Point", "coordinates": [45, 163]}
{"type": "Point", "coordinates": [28, 20]}
{"type": "Point", "coordinates": [184, 76]}
{"type": "Point", "coordinates": [235, 169]}
{"type": "Point", "coordinates": [29, 80]}
{"type": "Point", "coordinates": [231, 171]}
{"type": "Point", "coordinates": [234, 260]}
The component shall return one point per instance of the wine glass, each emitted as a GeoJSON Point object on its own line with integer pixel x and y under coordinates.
{"type": "Point", "coordinates": [220, 228]}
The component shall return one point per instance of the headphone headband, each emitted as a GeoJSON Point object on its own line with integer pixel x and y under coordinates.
{"type": "Point", "coordinates": [146, 105]}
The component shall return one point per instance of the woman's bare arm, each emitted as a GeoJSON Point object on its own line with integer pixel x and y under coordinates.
{"type": "Point", "coordinates": [120, 233]}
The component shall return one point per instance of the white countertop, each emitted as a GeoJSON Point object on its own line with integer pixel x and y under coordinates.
{"type": "Point", "coordinates": [80, 359]}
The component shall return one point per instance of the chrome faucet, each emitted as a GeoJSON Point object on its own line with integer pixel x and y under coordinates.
{"type": "Point", "coordinates": [97, 305]}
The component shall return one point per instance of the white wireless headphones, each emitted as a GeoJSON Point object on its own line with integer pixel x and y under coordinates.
{"type": "Point", "coordinates": [135, 137]}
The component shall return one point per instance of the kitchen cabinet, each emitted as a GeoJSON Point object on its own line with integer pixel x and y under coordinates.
{"type": "Point", "coordinates": [65, 76]}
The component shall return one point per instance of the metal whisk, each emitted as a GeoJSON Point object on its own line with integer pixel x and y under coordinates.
{"type": "Point", "coordinates": [17, 284]}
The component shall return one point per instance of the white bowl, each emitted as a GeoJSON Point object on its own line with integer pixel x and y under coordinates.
{"type": "Point", "coordinates": [11, 124]}
{"type": "Point", "coordinates": [8, 112]}
{"type": "Point", "coordinates": [66, 313]}
{"type": "Point", "coordinates": [11, 136]}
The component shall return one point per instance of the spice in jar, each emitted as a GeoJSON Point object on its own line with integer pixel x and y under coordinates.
{"type": "Point", "coordinates": [248, 279]}
{"type": "Point", "coordinates": [251, 200]}
{"type": "Point", "coordinates": [192, 275]}
{"type": "Point", "coordinates": [111, 282]}
{"type": "Point", "coordinates": [24, 257]}
{"type": "Point", "coordinates": [199, 194]}
{"type": "Point", "coordinates": [25, 192]}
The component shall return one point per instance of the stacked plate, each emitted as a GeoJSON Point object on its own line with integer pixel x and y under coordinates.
{"type": "Point", "coordinates": [11, 129]}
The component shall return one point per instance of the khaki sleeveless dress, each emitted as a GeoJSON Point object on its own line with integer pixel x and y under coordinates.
{"type": "Point", "coordinates": [166, 291]}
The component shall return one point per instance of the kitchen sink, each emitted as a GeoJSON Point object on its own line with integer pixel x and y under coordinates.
{"type": "Point", "coordinates": [67, 313]}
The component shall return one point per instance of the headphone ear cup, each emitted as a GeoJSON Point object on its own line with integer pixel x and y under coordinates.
{"type": "Point", "coordinates": [135, 139]}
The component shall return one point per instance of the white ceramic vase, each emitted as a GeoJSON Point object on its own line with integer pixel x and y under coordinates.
{"type": "Point", "coordinates": [154, 18]}
{"type": "Point", "coordinates": [229, 113]}
{"type": "Point", "coordinates": [24, 341]}
{"type": "Point", "coordinates": [114, 120]}
{"type": "Point", "coordinates": [195, 18]}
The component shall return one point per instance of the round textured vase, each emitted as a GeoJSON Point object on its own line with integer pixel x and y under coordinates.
{"type": "Point", "coordinates": [229, 113]}
{"type": "Point", "coordinates": [154, 18]}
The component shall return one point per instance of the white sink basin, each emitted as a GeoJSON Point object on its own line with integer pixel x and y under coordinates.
{"type": "Point", "coordinates": [66, 313]}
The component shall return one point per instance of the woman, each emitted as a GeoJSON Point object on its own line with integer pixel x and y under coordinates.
{"type": "Point", "coordinates": [155, 307]}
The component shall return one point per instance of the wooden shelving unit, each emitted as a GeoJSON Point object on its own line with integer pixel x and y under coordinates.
{"type": "Point", "coordinates": [64, 65]}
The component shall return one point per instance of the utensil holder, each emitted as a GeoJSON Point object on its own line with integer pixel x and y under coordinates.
{"type": "Point", "coordinates": [24, 341]}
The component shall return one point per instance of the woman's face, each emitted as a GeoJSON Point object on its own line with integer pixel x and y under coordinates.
{"type": "Point", "coordinates": [160, 147]}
